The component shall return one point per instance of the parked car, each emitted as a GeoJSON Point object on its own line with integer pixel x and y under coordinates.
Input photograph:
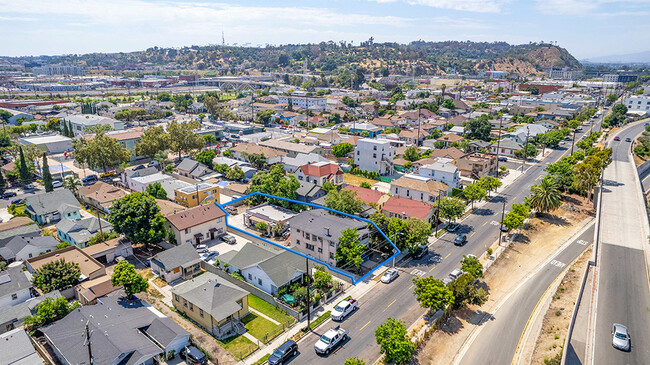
{"type": "Point", "coordinates": [18, 201]}
{"type": "Point", "coordinates": [107, 174]}
{"type": "Point", "coordinates": [620, 337]}
{"type": "Point", "coordinates": [139, 167]}
{"type": "Point", "coordinates": [343, 309]}
{"type": "Point", "coordinates": [330, 340]}
{"type": "Point", "coordinates": [89, 180]}
{"type": "Point", "coordinates": [503, 158]}
{"type": "Point", "coordinates": [193, 356]}
{"type": "Point", "coordinates": [9, 194]}
{"type": "Point", "coordinates": [230, 239]}
{"type": "Point", "coordinates": [202, 248]}
{"type": "Point", "coordinates": [29, 187]}
{"type": "Point", "coordinates": [453, 276]}
{"type": "Point", "coordinates": [209, 255]}
{"type": "Point", "coordinates": [153, 163]}
{"type": "Point", "coordinates": [389, 276]}
{"type": "Point", "coordinates": [420, 252]}
{"type": "Point", "coordinates": [460, 240]}
{"type": "Point", "coordinates": [617, 138]}
{"type": "Point", "coordinates": [57, 183]}
{"type": "Point", "coordinates": [283, 353]}
{"type": "Point", "coordinates": [453, 227]}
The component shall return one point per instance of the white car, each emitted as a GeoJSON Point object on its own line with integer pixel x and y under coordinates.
{"type": "Point", "coordinates": [57, 183]}
{"type": "Point", "coordinates": [389, 276]}
{"type": "Point", "coordinates": [202, 248]}
{"type": "Point", "coordinates": [343, 309]}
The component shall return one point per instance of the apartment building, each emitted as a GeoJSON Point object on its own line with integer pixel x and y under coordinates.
{"type": "Point", "coordinates": [375, 155]}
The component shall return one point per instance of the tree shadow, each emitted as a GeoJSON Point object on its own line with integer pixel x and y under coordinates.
{"type": "Point", "coordinates": [608, 182]}
{"type": "Point", "coordinates": [483, 211]}
{"type": "Point", "coordinates": [554, 220]}
{"type": "Point", "coordinates": [498, 199]}
{"type": "Point", "coordinates": [520, 238]}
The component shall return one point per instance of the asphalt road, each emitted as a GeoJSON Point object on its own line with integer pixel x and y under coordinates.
{"type": "Point", "coordinates": [499, 335]}
{"type": "Point", "coordinates": [623, 286]}
{"type": "Point", "coordinates": [397, 300]}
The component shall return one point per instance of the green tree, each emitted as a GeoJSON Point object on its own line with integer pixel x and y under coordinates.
{"type": "Point", "coordinates": [71, 184]}
{"type": "Point", "coordinates": [349, 250]}
{"type": "Point", "coordinates": [471, 264]}
{"type": "Point", "coordinates": [587, 175]}
{"type": "Point", "coordinates": [545, 197]}
{"type": "Point", "coordinates": [49, 310]}
{"type": "Point", "coordinates": [528, 151]}
{"type": "Point", "coordinates": [101, 151]}
{"type": "Point", "coordinates": [56, 275]}
{"type": "Point", "coordinates": [63, 244]}
{"type": "Point", "coordinates": [98, 128]}
{"type": "Point", "coordinates": [451, 208]}
{"type": "Point", "coordinates": [152, 141]}
{"type": "Point", "coordinates": [344, 201]}
{"type": "Point", "coordinates": [138, 217]}
{"type": "Point", "coordinates": [182, 138]}
{"type": "Point", "coordinates": [209, 139]}
{"type": "Point", "coordinates": [47, 177]}
{"type": "Point", "coordinates": [489, 183]}
{"type": "Point", "coordinates": [394, 342]}
{"type": "Point", "coordinates": [432, 293]}
{"type": "Point", "coordinates": [412, 154]}
{"type": "Point", "coordinates": [101, 237]}
{"type": "Point", "coordinates": [474, 192]}
{"type": "Point", "coordinates": [3, 183]}
{"type": "Point", "coordinates": [124, 274]}
{"type": "Point", "coordinates": [465, 292]}
{"type": "Point", "coordinates": [256, 159]}
{"type": "Point", "coordinates": [354, 361]}
{"type": "Point", "coordinates": [322, 278]}
{"type": "Point", "coordinates": [206, 157]}
{"type": "Point", "coordinates": [341, 149]}
{"type": "Point", "coordinates": [24, 173]}
{"type": "Point", "coordinates": [479, 128]}
{"type": "Point", "coordinates": [265, 116]}
{"type": "Point", "coordinates": [274, 182]}
{"type": "Point", "coordinates": [236, 173]}
{"type": "Point", "coordinates": [365, 185]}
{"type": "Point", "coordinates": [156, 190]}
{"type": "Point", "coordinates": [449, 104]}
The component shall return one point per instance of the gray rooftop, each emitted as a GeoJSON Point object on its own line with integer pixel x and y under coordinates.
{"type": "Point", "coordinates": [81, 230]}
{"type": "Point", "coordinates": [249, 255]}
{"type": "Point", "coordinates": [212, 294]}
{"type": "Point", "coordinates": [46, 203]}
{"type": "Point", "coordinates": [182, 255]}
{"type": "Point", "coordinates": [17, 349]}
{"type": "Point", "coordinates": [142, 172]}
{"type": "Point", "coordinates": [10, 248]}
{"type": "Point", "coordinates": [319, 220]}
{"type": "Point", "coordinates": [282, 267]}
{"type": "Point", "coordinates": [13, 280]}
{"type": "Point", "coordinates": [16, 314]}
{"type": "Point", "coordinates": [509, 143]}
{"type": "Point", "coordinates": [29, 230]}
{"type": "Point", "coordinates": [308, 189]}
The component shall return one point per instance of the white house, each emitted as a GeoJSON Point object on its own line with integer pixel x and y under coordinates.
{"type": "Point", "coordinates": [21, 248]}
{"type": "Point", "coordinates": [201, 223]}
{"type": "Point", "coordinates": [320, 172]}
{"type": "Point", "coordinates": [82, 121]}
{"type": "Point", "coordinates": [140, 184]}
{"type": "Point", "coordinates": [419, 188]}
{"type": "Point", "coordinates": [442, 170]}
{"type": "Point", "coordinates": [639, 103]}
{"type": "Point", "coordinates": [15, 288]}
{"type": "Point", "coordinates": [375, 155]}
{"type": "Point", "coordinates": [506, 147]}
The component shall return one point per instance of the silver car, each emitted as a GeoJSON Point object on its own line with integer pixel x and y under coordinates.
{"type": "Point", "coordinates": [620, 337]}
{"type": "Point", "coordinates": [389, 276]}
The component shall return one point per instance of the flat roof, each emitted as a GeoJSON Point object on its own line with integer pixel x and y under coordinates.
{"type": "Point", "coordinates": [45, 139]}
{"type": "Point", "coordinates": [87, 264]}
{"type": "Point", "coordinates": [192, 188]}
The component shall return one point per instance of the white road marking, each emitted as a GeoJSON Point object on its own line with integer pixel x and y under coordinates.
{"type": "Point", "coordinates": [557, 263]}
{"type": "Point", "coordinates": [583, 242]}
{"type": "Point", "coordinates": [417, 272]}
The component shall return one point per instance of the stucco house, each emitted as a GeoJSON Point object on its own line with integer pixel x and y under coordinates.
{"type": "Point", "coordinates": [47, 208]}
{"type": "Point", "coordinates": [179, 262]}
{"type": "Point", "coordinates": [194, 225]}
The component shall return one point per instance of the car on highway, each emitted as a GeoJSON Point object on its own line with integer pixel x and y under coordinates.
{"type": "Point", "coordinates": [229, 239]}
{"type": "Point", "coordinates": [57, 183]}
{"type": "Point", "coordinates": [617, 138]}
{"type": "Point", "coordinates": [193, 356]}
{"type": "Point", "coordinates": [628, 139]}
{"type": "Point", "coordinates": [453, 227]}
{"type": "Point", "coordinates": [209, 255]}
{"type": "Point", "coordinates": [9, 194]}
{"type": "Point", "coordinates": [202, 248]}
{"type": "Point", "coordinates": [620, 337]}
{"type": "Point", "coordinates": [283, 353]}
{"type": "Point", "coordinates": [343, 309]}
{"type": "Point", "coordinates": [389, 276]}
{"type": "Point", "coordinates": [460, 240]}
{"type": "Point", "coordinates": [420, 252]}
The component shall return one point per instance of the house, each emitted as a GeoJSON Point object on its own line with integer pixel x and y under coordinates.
{"type": "Point", "coordinates": [101, 195]}
{"type": "Point", "coordinates": [368, 196]}
{"type": "Point", "coordinates": [506, 147]}
{"type": "Point", "coordinates": [476, 165]}
{"type": "Point", "coordinates": [15, 222]}
{"type": "Point", "coordinates": [52, 144]}
{"type": "Point", "coordinates": [21, 248]}
{"type": "Point", "coordinates": [527, 132]}
{"type": "Point", "coordinates": [457, 120]}
{"type": "Point", "coordinates": [122, 332]}
{"type": "Point", "coordinates": [271, 215]}
{"type": "Point", "coordinates": [316, 233]}
{"type": "Point", "coordinates": [419, 188]}
{"type": "Point", "coordinates": [319, 172]}
{"type": "Point", "coordinates": [178, 262]}
{"type": "Point", "coordinates": [127, 139]}
{"type": "Point", "coordinates": [194, 225]}
{"type": "Point", "coordinates": [192, 169]}
{"type": "Point", "coordinates": [291, 164]}
{"type": "Point", "coordinates": [214, 303]}
{"type": "Point", "coordinates": [289, 148]}
{"type": "Point", "coordinates": [31, 230]}
{"type": "Point", "coordinates": [266, 268]}
{"type": "Point", "coordinates": [309, 192]}
{"type": "Point", "coordinates": [442, 170]}
{"type": "Point", "coordinates": [89, 267]}
{"type": "Point", "coordinates": [15, 115]}
{"type": "Point", "coordinates": [371, 130]}
{"type": "Point", "coordinates": [413, 136]}
{"type": "Point", "coordinates": [14, 316]}
{"type": "Point", "coordinates": [78, 232]}
{"type": "Point", "coordinates": [89, 292]}
{"type": "Point", "coordinates": [452, 153]}
{"type": "Point", "coordinates": [459, 130]}
{"type": "Point", "coordinates": [106, 252]}
{"type": "Point", "coordinates": [375, 155]}
{"type": "Point", "coordinates": [196, 194]}
{"type": "Point", "coordinates": [169, 207]}
{"type": "Point", "coordinates": [17, 349]}
{"type": "Point", "coordinates": [450, 138]}
{"type": "Point", "coordinates": [129, 176]}
{"type": "Point", "coordinates": [80, 122]}
{"type": "Point", "coordinates": [171, 185]}
{"type": "Point", "coordinates": [46, 208]}
{"type": "Point", "coordinates": [383, 122]}
{"type": "Point", "coordinates": [478, 146]}
{"type": "Point", "coordinates": [242, 150]}
{"type": "Point", "coordinates": [15, 287]}
{"type": "Point", "coordinates": [403, 208]}
{"type": "Point", "coordinates": [139, 184]}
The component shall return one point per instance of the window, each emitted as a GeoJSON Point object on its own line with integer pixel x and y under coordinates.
{"type": "Point", "coordinates": [30, 255]}
{"type": "Point", "coordinates": [187, 230]}
{"type": "Point", "coordinates": [201, 312]}
{"type": "Point", "coordinates": [191, 307]}
{"type": "Point", "coordinates": [374, 148]}
{"type": "Point", "coordinates": [332, 255]}
{"type": "Point", "coordinates": [408, 192]}
{"type": "Point", "coordinates": [219, 220]}
{"type": "Point", "coordinates": [14, 296]}
{"type": "Point", "coordinates": [259, 281]}
{"type": "Point", "coordinates": [307, 236]}
{"type": "Point", "coordinates": [396, 190]}
{"type": "Point", "coordinates": [250, 277]}
{"type": "Point", "coordinates": [331, 243]}
{"type": "Point", "coordinates": [297, 242]}
{"type": "Point", "coordinates": [421, 196]}
{"type": "Point", "coordinates": [314, 238]}
{"type": "Point", "coordinates": [184, 303]}
{"type": "Point", "coordinates": [176, 297]}
{"type": "Point", "coordinates": [309, 247]}
{"type": "Point", "coordinates": [320, 250]}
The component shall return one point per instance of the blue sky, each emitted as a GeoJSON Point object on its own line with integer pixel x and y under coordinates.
{"type": "Point", "coordinates": [587, 28]}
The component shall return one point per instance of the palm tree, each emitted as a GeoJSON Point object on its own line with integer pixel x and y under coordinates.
{"type": "Point", "coordinates": [545, 197]}
{"type": "Point", "coordinates": [71, 184]}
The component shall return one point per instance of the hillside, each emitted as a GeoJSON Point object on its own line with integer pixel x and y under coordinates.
{"type": "Point", "coordinates": [330, 58]}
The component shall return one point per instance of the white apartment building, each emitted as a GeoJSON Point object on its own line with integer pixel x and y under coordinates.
{"type": "Point", "coordinates": [303, 102]}
{"type": "Point", "coordinates": [442, 170]}
{"type": "Point", "coordinates": [638, 103]}
{"type": "Point", "coordinates": [375, 155]}
{"type": "Point", "coordinates": [80, 122]}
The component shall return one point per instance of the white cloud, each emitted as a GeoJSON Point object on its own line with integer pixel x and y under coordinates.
{"type": "Point", "coordinates": [585, 7]}
{"type": "Point", "coordinates": [477, 6]}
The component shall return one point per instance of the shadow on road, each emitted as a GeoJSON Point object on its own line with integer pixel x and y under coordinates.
{"type": "Point", "coordinates": [612, 183]}
{"type": "Point", "coordinates": [483, 211]}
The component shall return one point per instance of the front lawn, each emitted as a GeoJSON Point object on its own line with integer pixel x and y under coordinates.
{"type": "Point", "coordinates": [264, 307]}
{"type": "Point", "coordinates": [238, 346]}
{"type": "Point", "coordinates": [259, 326]}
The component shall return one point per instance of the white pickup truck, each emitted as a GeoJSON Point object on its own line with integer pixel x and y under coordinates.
{"type": "Point", "coordinates": [343, 309]}
{"type": "Point", "coordinates": [328, 342]}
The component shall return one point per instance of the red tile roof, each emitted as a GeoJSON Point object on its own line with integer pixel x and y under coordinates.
{"type": "Point", "coordinates": [321, 170]}
{"type": "Point", "coordinates": [407, 207]}
{"type": "Point", "coordinates": [367, 195]}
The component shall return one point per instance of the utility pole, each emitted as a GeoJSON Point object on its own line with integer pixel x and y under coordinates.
{"type": "Point", "coordinates": [101, 233]}
{"type": "Point", "coordinates": [523, 162]}
{"type": "Point", "coordinates": [307, 279]}
{"type": "Point", "coordinates": [574, 141]}
{"type": "Point", "coordinates": [499, 143]}
{"type": "Point", "coordinates": [90, 351]}
{"type": "Point", "coordinates": [503, 213]}
{"type": "Point", "coordinates": [418, 141]}
{"type": "Point", "coordinates": [438, 214]}
{"type": "Point", "coordinates": [198, 202]}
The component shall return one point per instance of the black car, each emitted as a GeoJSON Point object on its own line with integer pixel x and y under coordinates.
{"type": "Point", "coordinates": [283, 353]}
{"type": "Point", "coordinates": [420, 252]}
{"type": "Point", "coordinates": [139, 167]}
{"type": "Point", "coordinates": [460, 240]}
{"type": "Point", "coordinates": [9, 194]}
{"type": "Point", "coordinates": [18, 201]}
{"type": "Point", "coordinates": [193, 356]}
{"type": "Point", "coordinates": [89, 180]}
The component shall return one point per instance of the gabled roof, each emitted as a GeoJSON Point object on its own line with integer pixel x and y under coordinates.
{"type": "Point", "coordinates": [142, 172]}
{"type": "Point", "coordinates": [13, 280]}
{"type": "Point", "coordinates": [195, 216]}
{"type": "Point", "coordinates": [102, 192]}
{"type": "Point", "coordinates": [212, 294]}
{"type": "Point", "coordinates": [509, 143]}
{"type": "Point", "coordinates": [420, 184]}
{"type": "Point", "coordinates": [451, 152]}
{"type": "Point", "coordinates": [450, 137]}
{"type": "Point", "coordinates": [83, 229]}
{"type": "Point", "coordinates": [282, 267]}
{"type": "Point", "coordinates": [183, 255]}
{"type": "Point", "coordinates": [413, 133]}
{"type": "Point", "coordinates": [10, 248]}
{"type": "Point", "coordinates": [319, 220]}
{"type": "Point", "coordinates": [321, 169]}
{"type": "Point", "coordinates": [457, 120]}
{"type": "Point", "coordinates": [249, 255]}
{"type": "Point", "coordinates": [15, 223]}
{"type": "Point", "coordinates": [17, 349]}
{"type": "Point", "coordinates": [366, 195]}
{"type": "Point", "coordinates": [46, 203]}
{"type": "Point", "coordinates": [308, 189]}
{"type": "Point", "coordinates": [407, 207]}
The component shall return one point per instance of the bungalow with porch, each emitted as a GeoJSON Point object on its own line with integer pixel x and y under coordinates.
{"type": "Point", "coordinates": [180, 262]}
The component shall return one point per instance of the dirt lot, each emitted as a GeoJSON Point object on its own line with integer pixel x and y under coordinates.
{"type": "Point", "coordinates": [534, 245]}
{"type": "Point", "coordinates": [357, 180]}
{"type": "Point", "coordinates": [556, 321]}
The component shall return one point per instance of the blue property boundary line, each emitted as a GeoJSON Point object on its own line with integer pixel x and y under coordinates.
{"type": "Point", "coordinates": [354, 281]}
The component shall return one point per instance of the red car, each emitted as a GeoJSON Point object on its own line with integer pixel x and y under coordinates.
{"type": "Point", "coordinates": [617, 138]}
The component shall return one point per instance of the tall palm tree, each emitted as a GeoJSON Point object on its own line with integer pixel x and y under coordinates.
{"type": "Point", "coordinates": [71, 184]}
{"type": "Point", "coordinates": [546, 196]}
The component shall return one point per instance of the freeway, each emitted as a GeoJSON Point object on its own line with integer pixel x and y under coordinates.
{"type": "Point", "coordinates": [498, 338]}
{"type": "Point", "coordinates": [623, 294]}
{"type": "Point", "coordinates": [396, 299]}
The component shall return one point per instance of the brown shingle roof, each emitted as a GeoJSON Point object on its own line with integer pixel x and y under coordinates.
{"type": "Point", "coordinates": [195, 216]}
{"type": "Point", "coordinates": [452, 152]}
{"type": "Point", "coordinates": [15, 223]}
{"type": "Point", "coordinates": [450, 137]}
{"type": "Point", "coordinates": [102, 192]}
{"type": "Point", "coordinates": [407, 207]}
{"type": "Point", "coordinates": [430, 186]}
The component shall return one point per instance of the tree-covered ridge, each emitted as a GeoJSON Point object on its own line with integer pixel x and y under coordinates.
{"type": "Point", "coordinates": [416, 58]}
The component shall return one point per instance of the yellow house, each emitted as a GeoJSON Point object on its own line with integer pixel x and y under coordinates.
{"type": "Point", "coordinates": [197, 194]}
{"type": "Point", "coordinates": [214, 303]}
